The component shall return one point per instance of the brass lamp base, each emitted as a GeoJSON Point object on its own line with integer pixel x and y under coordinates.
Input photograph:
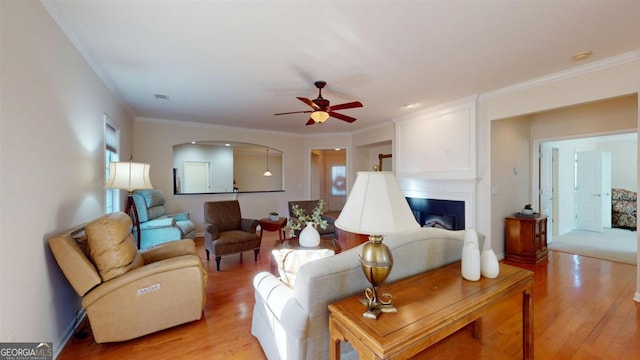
{"type": "Point", "coordinates": [376, 304]}
{"type": "Point", "coordinates": [376, 261]}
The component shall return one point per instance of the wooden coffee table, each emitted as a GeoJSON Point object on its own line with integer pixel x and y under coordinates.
{"type": "Point", "coordinates": [431, 306]}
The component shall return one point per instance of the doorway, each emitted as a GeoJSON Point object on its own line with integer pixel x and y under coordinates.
{"type": "Point", "coordinates": [562, 176]}
{"type": "Point", "coordinates": [328, 177]}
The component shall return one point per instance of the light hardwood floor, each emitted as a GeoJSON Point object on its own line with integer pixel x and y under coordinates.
{"type": "Point", "coordinates": [583, 309]}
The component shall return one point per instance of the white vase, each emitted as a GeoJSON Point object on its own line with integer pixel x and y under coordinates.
{"type": "Point", "coordinates": [309, 236]}
{"type": "Point", "coordinates": [489, 261]}
{"type": "Point", "coordinates": [471, 256]}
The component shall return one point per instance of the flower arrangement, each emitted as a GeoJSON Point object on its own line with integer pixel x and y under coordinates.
{"type": "Point", "coordinates": [315, 217]}
{"type": "Point", "coordinates": [273, 216]}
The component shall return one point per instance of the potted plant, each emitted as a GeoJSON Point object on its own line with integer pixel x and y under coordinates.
{"type": "Point", "coordinates": [307, 223]}
{"type": "Point", "coordinates": [274, 216]}
{"type": "Point", "coordinates": [527, 210]}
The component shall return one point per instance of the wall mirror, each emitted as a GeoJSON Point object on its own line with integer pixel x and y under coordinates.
{"type": "Point", "coordinates": [207, 167]}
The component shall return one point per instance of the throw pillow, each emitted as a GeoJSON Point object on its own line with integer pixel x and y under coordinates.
{"type": "Point", "coordinates": [290, 260]}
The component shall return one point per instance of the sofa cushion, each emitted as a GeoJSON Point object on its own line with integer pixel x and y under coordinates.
{"type": "Point", "coordinates": [111, 245]}
{"type": "Point", "coordinates": [186, 226]}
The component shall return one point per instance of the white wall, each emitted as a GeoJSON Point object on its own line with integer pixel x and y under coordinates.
{"type": "Point", "coordinates": [510, 171]}
{"type": "Point", "coordinates": [624, 161]}
{"type": "Point", "coordinates": [51, 167]}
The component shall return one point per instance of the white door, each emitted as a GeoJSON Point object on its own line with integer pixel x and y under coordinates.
{"type": "Point", "coordinates": [196, 177]}
{"type": "Point", "coordinates": [546, 186]}
{"type": "Point", "coordinates": [592, 198]}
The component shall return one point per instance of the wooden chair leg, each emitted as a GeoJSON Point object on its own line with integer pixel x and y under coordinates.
{"type": "Point", "coordinates": [207, 254]}
{"type": "Point", "coordinates": [255, 255]}
{"type": "Point", "coordinates": [218, 263]}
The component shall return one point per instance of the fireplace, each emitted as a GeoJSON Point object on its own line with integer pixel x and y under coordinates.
{"type": "Point", "coordinates": [443, 214]}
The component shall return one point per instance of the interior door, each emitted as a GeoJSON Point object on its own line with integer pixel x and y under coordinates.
{"type": "Point", "coordinates": [546, 186]}
{"type": "Point", "coordinates": [196, 177]}
{"type": "Point", "coordinates": [593, 190]}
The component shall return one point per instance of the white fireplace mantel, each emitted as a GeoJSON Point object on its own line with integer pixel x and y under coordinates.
{"type": "Point", "coordinates": [435, 154]}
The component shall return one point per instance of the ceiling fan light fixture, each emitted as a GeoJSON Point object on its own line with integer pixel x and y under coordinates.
{"type": "Point", "coordinates": [319, 116]}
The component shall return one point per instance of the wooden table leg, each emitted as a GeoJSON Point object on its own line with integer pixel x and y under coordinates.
{"type": "Point", "coordinates": [527, 326]}
{"type": "Point", "coordinates": [334, 340]}
{"type": "Point", "coordinates": [476, 328]}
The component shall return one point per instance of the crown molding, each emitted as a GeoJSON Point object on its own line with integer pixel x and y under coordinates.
{"type": "Point", "coordinates": [566, 74]}
{"type": "Point", "coordinates": [210, 126]}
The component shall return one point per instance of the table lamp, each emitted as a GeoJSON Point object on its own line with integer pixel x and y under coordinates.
{"type": "Point", "coordinates": [377, 207]}
{"type": "Point", "coordinates": [130, 176]}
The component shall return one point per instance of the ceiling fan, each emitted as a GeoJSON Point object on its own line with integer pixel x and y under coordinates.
{"type": "Point", "coordinates": [321, 108]}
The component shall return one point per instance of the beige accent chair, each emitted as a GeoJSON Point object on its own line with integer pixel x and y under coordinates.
{"type": "Point", "coordinates": [227, 232]}
{"type": "Point", "coordinates": [128, 293]}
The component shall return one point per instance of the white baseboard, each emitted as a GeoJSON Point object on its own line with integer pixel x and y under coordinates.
{"type": "Point", "coordinates": [82, 313]}
{"type": "Point", "coordinates": [636, 298]}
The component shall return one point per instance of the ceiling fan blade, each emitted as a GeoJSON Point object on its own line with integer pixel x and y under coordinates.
{"type": "Point", "coordinates": [310, 122]}
{"type": "Point", "coordinates": [346, 118]}
{"type": "Point", "coordinates": [309, 102]}
{"type": "Point", "coordinates": [350, 105]}
{"type": "Point", "coordinates": [294, 112]}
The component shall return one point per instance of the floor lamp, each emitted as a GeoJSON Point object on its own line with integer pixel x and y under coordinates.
{"type": "Point", "coordinates": [376, 206]}
{"type": "Point", "coordinates": [130, 176]}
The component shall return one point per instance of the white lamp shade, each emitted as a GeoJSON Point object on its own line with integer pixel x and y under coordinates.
{"type": "Point", "coordinates": [129, 176]}
{"type": "Point", "coordinates": [376, 206]}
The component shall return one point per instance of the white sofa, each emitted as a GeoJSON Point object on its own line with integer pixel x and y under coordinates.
{"type": "Point", "coordinates": [293, 323]}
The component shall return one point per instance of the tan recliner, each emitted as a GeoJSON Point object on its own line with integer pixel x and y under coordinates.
{"type": "Point", "coordinates": [128, 293]}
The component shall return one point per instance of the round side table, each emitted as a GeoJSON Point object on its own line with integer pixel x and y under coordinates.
{"type": "Point", "coordinates": [270, 225]}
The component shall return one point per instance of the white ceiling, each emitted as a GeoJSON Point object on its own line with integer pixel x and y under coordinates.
{"type": "Point", "coordinates": [236, 63]}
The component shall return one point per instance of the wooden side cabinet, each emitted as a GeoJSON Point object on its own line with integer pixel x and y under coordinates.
{"type": "Point", "coordinates": [526, 239]}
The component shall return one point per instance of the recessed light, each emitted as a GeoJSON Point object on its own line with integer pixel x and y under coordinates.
{"type": "Point", "coordinates": [581, 55]}
{"type": "Point", "coordinates": [193, 142]}
{"type": "Point", "coordinates": [410, 106]}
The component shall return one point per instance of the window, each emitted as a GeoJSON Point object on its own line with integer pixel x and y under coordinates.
{"type": "Point", "coordinates": [338, 180]}
{"type": "Point", "coordinates": [111, 147]}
